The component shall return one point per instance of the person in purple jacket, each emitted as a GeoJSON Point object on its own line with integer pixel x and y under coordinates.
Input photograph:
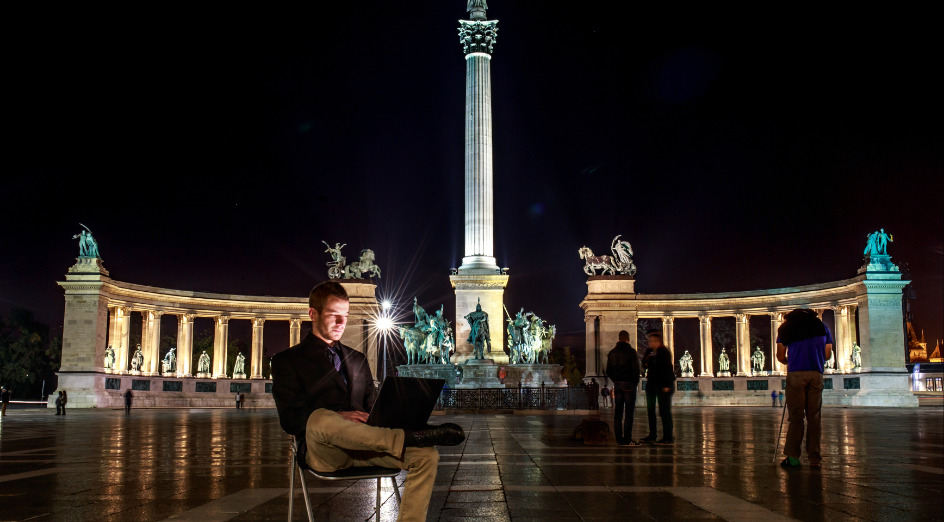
{"type": "Point", "coordinates": [803, 344]}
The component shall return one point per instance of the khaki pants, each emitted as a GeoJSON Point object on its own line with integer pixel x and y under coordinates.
{"type": "Point", "coordinates": [804, 400]}
{"type": "Point", "coordinates": [336, 443]}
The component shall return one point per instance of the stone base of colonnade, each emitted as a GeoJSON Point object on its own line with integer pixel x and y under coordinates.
{"type": "Point", "coordinates": [890, 389]}
{"type": "Point", "coordinates": [103, 390]}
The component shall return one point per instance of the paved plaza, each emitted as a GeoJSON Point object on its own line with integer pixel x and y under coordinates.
{"type": "Point", "coordinates": [207, 465]}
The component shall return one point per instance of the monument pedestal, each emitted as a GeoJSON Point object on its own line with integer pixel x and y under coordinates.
{"type": "Point", "coordinates": [480, 373]}
{"type": "Point", "coordinates": [533, 375]}
{"type": "Point", "coordinates": [485, 287]}
{"type": "Point", "coordinates": [447, 372]}
{"type": "Point", "coordinates": [724, 374]}
{"type": "Point", "coordinates": [239, 376]}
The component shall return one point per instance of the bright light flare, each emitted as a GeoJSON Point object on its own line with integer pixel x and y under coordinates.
{"type": "Point", "coordinates": [386, 305]}
{"type": "Point", "coordinates": [384, 323]}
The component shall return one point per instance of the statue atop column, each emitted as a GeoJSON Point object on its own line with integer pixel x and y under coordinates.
{"type": "Point", "coordinates": [687, 365]}
{"type": "Point", "coordinates": [876, 253]}
{"type": "Point", "coordinates": [203, 364]}
{"type": "Point", "coordinates": [621, 262]}
{"type": "Point", "coordinates": [88, 247]}
{"type": "Point", "coordinates": [338, 267]}
{"type": "Point", "coordinates": [239, 367]}
{"type": "Point", "coordinates": [479, 335]}
{"type": "Point", "coordinates": [757, 361]}
{"type": "Point", "coordinates": [169, 364]}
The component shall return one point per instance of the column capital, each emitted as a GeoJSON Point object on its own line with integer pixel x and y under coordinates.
{"type": "Point", "coordinates": [222, 320]}
{"type": "Point", "coordinates": [186, 317]}
{"type": "Point", "coordinates": [668, 319]}
{"type": "Point", "coordinates": [257, 322]}
{"type": "Point", "coordinates": [741, 317]}
{"type": "Point", "coordinates": [478, 36]}
{"type": "Point", "coordinates": [704, 319]}
{"type": "Point", "coordinates": [155, 314]}
{"type": "Point", "coordinates": [295, 322]}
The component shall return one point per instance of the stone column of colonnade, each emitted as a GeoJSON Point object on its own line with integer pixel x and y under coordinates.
{"type": "Point", "coordinates": [184, 344]}
{"type": "Point", "coordinates": [255, 370]}
{"type": "Point", "coordinates": [593, 349]}
{"type": "Point", "coordinates": [220, 340]}
{"type": "Point", "coordinates": [119, 331]}
{"type": "Point", "coordinates": [668, 334]}
{"type": "Point", "coordinates": [843, 336]}
{"type": "Point", "coordinates": [742, 335]}
{"type": "Point", "coordinates": [776, 319]}
{"type": "Point", "coordinates": [151, 341]}
{"type": "Point", "coordinates": [704, 328]}
{"type": "Point", "coordinates": [294, 331]}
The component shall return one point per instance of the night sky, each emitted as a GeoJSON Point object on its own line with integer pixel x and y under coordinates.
{"type": "Point", "coordinates": [214, 150]}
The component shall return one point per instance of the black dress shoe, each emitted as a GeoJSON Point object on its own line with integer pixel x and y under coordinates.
{"type": "Point", "coordinates": [448, 434]}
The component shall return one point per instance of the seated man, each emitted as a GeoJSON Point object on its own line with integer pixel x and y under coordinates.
{"type": "Point", "coordinates": [324, 390]}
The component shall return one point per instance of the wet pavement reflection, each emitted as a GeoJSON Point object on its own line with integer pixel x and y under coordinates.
{"type": "Point", "coordinates": [879, 464]}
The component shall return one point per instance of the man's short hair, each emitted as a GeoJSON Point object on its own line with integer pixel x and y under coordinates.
{"type": "Point", "coordinates": [623, 335]}
{"type": "Point", "coordinates": [319, 295]}
{"type": "Point", "coordinates": [654, 333]}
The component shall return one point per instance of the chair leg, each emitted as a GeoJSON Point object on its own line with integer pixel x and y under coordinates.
{"type": "Point", "coordinates": [396, 490]}
{"type": "Point", "coordinates": [377, 517]}
{"type": "Point", "coordinates": [291, 488]}
{"type": "Point", "coordinates": [301, 476]}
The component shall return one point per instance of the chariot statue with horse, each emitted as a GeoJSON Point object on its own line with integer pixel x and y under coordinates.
{"type": "Point", "coordinates": [338, 267]}
{"type": "Point", "coordinates": [621, 262]}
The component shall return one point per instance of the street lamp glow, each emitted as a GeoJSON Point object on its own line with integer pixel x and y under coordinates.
{"type": "Point", "coordinates": [386, 305]}
{"type": "Point", "coordinates": [385, 324]}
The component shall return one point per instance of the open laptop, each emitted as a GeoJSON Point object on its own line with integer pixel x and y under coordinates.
{"type": "Point", "coordinates": [405, 402]}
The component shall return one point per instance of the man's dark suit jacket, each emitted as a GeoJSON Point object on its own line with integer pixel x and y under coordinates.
{"type": "Point", "coordinates": [304, 380]}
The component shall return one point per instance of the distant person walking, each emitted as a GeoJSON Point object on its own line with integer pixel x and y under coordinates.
{"type": "Point", "coordinates": [660, 385]}
{"type": "Point", "coordinates": [5, 400]}
{"type": "Point", "coordinates": [780, 396]}
{"type": "Point", "coordinates": [239, 400]}
{"type": "Point", "coordinates": [594, 395]}
{"type": "Point", "coordinates": [128, 398]}
{"type": "Point", "coordinates": [773, 398]}
{"type": "Point", "coordinates": [607, 394]}
{"type": "Point", "coordinates": [622, 367]}
{"type": "Point", "coordinates": [804, 344]}
{"type": "Point", "coordinates": [59, 406]}
{"type": "Point", "coordinates": [65, 399]}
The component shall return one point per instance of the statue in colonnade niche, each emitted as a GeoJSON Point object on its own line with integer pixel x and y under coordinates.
{"type": "Point", "coordinates": [109, 358]}
{"type": "Point", "coordinates": [724, 363]}
{"type": "Point", "coordinates": [757, 360]}
{"type": "Point", "coordinates": [203, 363]}
{"type": "Point", "coordinates": [830, 363]}
{"type": "Point", "coordinates": [88, 247]}
{"type": "Point", "coordinates": [169, 363]}
{"type": "Point", "coordinates": [687, 365]}
{"type": "Point", "coordinates": [239, 367]}
{"type": "Point", "coordinates": [856, 356]}
{"type": "Point", "coordinates": [137, 360]}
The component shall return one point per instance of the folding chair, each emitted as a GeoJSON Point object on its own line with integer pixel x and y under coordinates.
{"type": "Point", "coordinates": [357, 473]}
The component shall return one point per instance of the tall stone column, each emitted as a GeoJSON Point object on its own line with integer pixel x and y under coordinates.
{"type": "Point", "coordinates": [294, 331]}
{"type": "Point", "coordinates": [704, 328]}
{"type": "Point", "coordinates": [152, 357]}
{"type": "Point", "coordinates": [840, 337]}
{"type": "Point", "coordinates": [220, 341]}
{"type": "Point", "coordinates": [479, 280]}
{"type": "Point", "coordinates": [668, 334]}
{"type": "Point", "coordinates": [113, 333]}
{"type": "Point", "coordinates": [592, 345]}
{"type": "Point", "coordinates": [776, 319]}
{"type": "Point", "coordinates": [255, 371]}
{"type": "Point", "coordinates": [742, 335]}
{"type": "Point", "coordinates": [84, 333]}
{"type": "Point", "coordinates": [145, 342]}
{"type": "Point", "coordinates": [184, 345]}
{"type": "Point", "coordinates": [123, 324]}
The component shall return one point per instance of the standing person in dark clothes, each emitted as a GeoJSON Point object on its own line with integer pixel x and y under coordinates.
{"type": "Point", "coordinates": [804, 343]}
{"type": "Point", "coordinates": [622, 367]}
{"type": "Point", "coordinates": [660, 384]}
{"type": "Point", "coordinates": [128, 397]}
{"type": "Point", "coordinates": [4, 399]}
{"type": "Point", "coordinates": [59, 404]}
{"type": "Point", "coordinates": [594, 394]}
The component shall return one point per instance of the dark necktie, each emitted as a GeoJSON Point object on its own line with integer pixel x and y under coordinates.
{"type": "Point", "coordinates": [336, 359]}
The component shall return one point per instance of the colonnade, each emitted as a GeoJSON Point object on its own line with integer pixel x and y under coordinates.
{"type": "Point", "coordinates": [119, 321]}
{"type": "Point", "coordinates": [844, 335]}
